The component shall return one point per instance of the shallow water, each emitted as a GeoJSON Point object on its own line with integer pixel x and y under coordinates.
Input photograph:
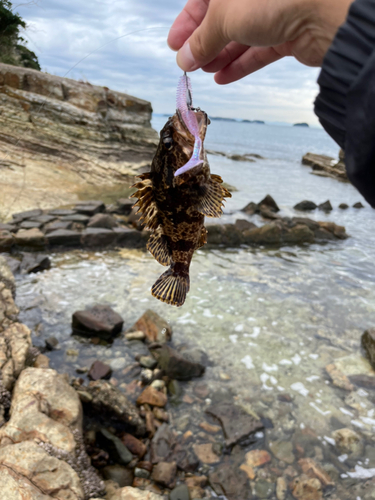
{"type": "Point", "coordinates": [270, 320]}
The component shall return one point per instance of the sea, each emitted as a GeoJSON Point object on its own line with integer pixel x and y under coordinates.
{"type": "Point", "coordinates": [270, 319]}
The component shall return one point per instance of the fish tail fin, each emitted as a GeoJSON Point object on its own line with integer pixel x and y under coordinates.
{"type": "Point", "coordinates": [171, 287]}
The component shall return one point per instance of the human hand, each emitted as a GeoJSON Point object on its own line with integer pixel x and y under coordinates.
{"type": "Point", "coordinates": [234, 38]}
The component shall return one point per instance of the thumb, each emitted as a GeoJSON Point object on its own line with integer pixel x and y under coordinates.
{"type": "Point", "coordinates": [206, 42]}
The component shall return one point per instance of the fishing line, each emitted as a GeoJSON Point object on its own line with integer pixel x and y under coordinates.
{"type": "Point", "coordinates": [64, 76]}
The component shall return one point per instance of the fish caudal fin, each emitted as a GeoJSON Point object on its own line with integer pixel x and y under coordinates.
{"type": "Point", "coordinates": [171, 288]}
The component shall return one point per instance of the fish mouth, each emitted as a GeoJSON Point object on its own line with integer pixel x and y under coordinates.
{"type": "Point", "coordinates": [183, 136]}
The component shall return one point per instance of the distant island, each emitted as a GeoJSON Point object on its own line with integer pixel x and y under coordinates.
{"type": "Point", "coordinates": [221, 119]}
{"type": "Point", "coordinates": [300, 124]}
{"type": "Point", "coordinates": [259, 122]}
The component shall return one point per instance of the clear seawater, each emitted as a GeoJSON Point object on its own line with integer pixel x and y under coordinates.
{"type": "Point", "coordinates": [271, 320]}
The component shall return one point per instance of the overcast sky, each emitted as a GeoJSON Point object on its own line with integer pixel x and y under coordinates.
{"type": "Point", "coordinates": [62, 32]}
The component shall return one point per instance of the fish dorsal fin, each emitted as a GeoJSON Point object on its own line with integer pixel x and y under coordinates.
{"type": "Point", "coordinates": [203, 238]}
{"type": "Point", "coordinates": [157, 245]}
{"type": "Point", "coordinates": [171, 288]}
{"type": "Point", "coordinates": [213, 195]}
{"type": "Point", "coordinates": [146, 202]}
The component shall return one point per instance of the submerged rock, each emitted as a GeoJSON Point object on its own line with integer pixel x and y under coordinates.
{"type": "Point", "coordinates": [368, 343]}
{"type": "Point", "coordinates": [35, 263]}
{"type": "Point", "coordinates": [155, 328]}
{"type": "Point", "coordinates": [114, 446]}
{"type": "Point", "coordinates": [99, 370]}
{"type": "Point", "coordinates": [238, 426]}
{"type": "Point", "coordinates": [177, 365]}
{"type": "Point", "coordinates": [230, 481]}
{"type": "Point", "coordinates": [108, 402]}
{"type": "Point", "coordinates": [164, 473]}
{"type": "Point", "coordinates": [98, 321]}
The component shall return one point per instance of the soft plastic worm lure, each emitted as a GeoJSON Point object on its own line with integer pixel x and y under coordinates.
{"type": "Point", "coordinates": [184, 103]}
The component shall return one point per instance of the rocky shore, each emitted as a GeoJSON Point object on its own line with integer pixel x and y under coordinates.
{"type": "Point", "coordinates": [60, 138]}
{"type": "Point", "coordinates": [92, 224]}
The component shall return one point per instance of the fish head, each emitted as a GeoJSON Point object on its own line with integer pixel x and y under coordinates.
{"type": "Point", "coordinates": [176, 144]}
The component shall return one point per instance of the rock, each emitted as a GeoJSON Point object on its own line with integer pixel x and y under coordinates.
{"type": "Point", "coordinates": [205, 453]}
{"type": "Point", "coordinates": [123, 206]}
{"type": "Point", "coordinates": [111, 403]}
{"type": "Point", "coordinates": [152, 397]}
{"type": "Point", "coordinates": [28, 224]}
{"type": "Point", "coordinates": [338, 231]}
{"type": "Point", "coordinates": [339, 379]}
{"type": "Point", "coordinates": [283, 450]}
{"type": "Point", "coordinates": [114, 446]}
{"type": "Point", "coordinates": [129, 493]}
{"type": "Point", "coordinates": [141, 472]}
{"type": "Point", "coordinates": [47, 409]}
{"type": "Point", "coordinates": [312, 469]}
{"type": "Point", "coordinates": [230, 481]}
{"type": "Point", "coordinates": [243, 224]}
{"type": "Point", "coordinates": [343, 206]}
{"type": "Point", "coordinates": [281, 488]}
{"type": "Point", "coordinates": [251, 208]}
{"type": "Point", "coordinates": [238, 426]}
{"type": "Point", "coordinates": [41, 361]}
{"type": "Point", "coordinates": [51, 343]}
{"type": "Point", "coordinates": [134, 445]}
{"type": "Point", "coordinates": [322, 164]}
{"type": "Point", "coordinates": [98, 321]}
{"type": "Point", "coordinates": [264, 489]}
{"type": "Point", "coordinates": [211, 429]}
{"type": "Point", "coordinates": [155, 328]}
{"type": "Point", "coordinates": [35, 263]}
{"type": "Point", "coordinates": [181, 492]}
{"type": "Point", "coordinates": [29, 214]}
{"type": "Point", "coordinates": [358, 205]}
{"type": "Point", "coordinates": [97, 237]}
{"type": "Point", "coordinates": [13, 264]}
{"type": "Point", "coordinates": [177, 366]}
{"type": "Point", "coordinates": [195, 485]}
{"type": "Point", "coordinates": [7, 227]}
{"type": "Point", "coordinates": [15, 342]}
{"type": "Point", "coordinates": [28, 472]}
{"type": "Point", "coordinates": [33, 238]}
{"type": "Point", "coordinates": [256, 458]}
{"type": "Point", "coordinates": [63, 237]}
{"type": "Point", "coordinates": [348, 441]}
{"type": "Point", "coordinates": [326, 206]}
{"type": "Point", "coordinates": [368, 343]}
{"type": "Point", "coordinates": [148, 362]}
{"type": "Point", "coordinates": [304, 488]}
{"type": "Point", "coordinates": [363, 380]}
{"type": "Point", "coordinates": [119, 474]}
{"type": "Point", "coordinates": [57, 224]}
{"type": "Point", "coordinates": [162, 444]}
{"type": "Point", "coordinates": [305, 206]}
{"type": "Point", "coordinates": [89, 207]}
{"type": "Point", "coordinates": [78, 218]}
{"type": "Point", "coordinates": [6, 240]}
{"type": "Point", "coordinates": [99, 370]}
{"type": "Point", "coordinates": [269, 203]}
{"type": "Point", "coordinates": [102, 220]}
{"type": "Point", "coordinates": [238, 157]}
{"type": "Point", "coordinates": [130, 238]}
{"type": "Point", "coordinates": [164, 473]}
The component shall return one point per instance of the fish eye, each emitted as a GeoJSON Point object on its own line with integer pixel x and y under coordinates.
{"type": "Point", "coordinates": [168, 142]}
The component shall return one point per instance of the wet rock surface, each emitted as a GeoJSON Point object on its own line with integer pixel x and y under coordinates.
{"type": "Point", "coordinates": [326, 165]}
{"type": "Point", "coordinates": [99, 321]}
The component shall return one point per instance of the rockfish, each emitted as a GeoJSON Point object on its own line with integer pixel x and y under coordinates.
{"type": "Point", "coordinates": [176, 194]}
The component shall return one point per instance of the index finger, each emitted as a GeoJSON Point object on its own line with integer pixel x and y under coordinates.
{"type": "Point", "coordinates": [186, 22]}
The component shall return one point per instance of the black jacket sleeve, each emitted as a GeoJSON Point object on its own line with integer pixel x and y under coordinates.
{"type": "Point", "coordinates": [346, 102]}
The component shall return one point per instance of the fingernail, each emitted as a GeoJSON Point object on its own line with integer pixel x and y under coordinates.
{"type": "Point", "coordinates": [185, 58]}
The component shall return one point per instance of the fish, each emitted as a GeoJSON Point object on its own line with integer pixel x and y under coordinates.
{"type": "Point", "coordinates": [176, 194]}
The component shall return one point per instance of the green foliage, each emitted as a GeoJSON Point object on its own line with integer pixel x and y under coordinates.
{"type": "Point", "coordinates": [11, 50]}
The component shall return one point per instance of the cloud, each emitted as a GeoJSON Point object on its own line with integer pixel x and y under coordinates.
{"type": "Point", "coordinates": [104, 38]}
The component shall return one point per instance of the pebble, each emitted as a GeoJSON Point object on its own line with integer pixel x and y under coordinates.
{"type": "Point", "coordinates": [338, 378]}
{"type": "Point", "coordinates": [134, 445]}
{"type": "Point", "coordinates": [152, 397]}
{"type": "Point", "coordinates": [159, 385]}
{"type": "Point", "coordinates": [160, 414]}
{"type": "Point", "coordinates": [205, 453]}
{"type": "Point", "coordinates": [148, 362]}
{"type": "Point", "coordinates": [281, 488]}
{"type": "Point", "coordinates": [312, 469]}
{"type": "Point", "coordinates": [72, 352]}
{"type": "Point", "coordinates": [99, 370]}
{"type": "Point", "coordinates": [137, 335]}
{"type": "Point", "coordinates": [85, 397]}
{"type": "Point", "coordinates": [165, 473]}
{"type": "Point", "coordinates": [41, 361]}
{"type": "Point", "coordinates": [283, 450]}
{"type": "Point", "coordinates": [146, 375]}
{"type": "Point", "coordinates": [224, 376]}
{"type": "Point", "coordinates": [212, 429]}
{"type": "Point", "coordinates": [51, 343]}
{"type": "Point", "coordinates": [181, 492]}
{"type": "Point", "coordinates": [141, 473]}
{"type": "Point", "coordinates": [348, 441]}
{"type": "Point", "coordinates": [305, 488]}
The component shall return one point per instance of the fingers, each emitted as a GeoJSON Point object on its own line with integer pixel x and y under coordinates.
{"type": "Point", "coordinates": [231, 52]}
{"type": "Point", "coordinates": [252, 60]}
{"type": "Point", "coordinates": [206, 42]}
{"type": "Point", "coordinates": [186, 22]}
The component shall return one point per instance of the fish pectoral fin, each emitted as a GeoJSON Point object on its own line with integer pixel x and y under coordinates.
{"type": "Point", "coordinates": [146, 202]}
{"type": "Point", "coordinates": [157, 245]}
{"type": "Point", "coordinates": [213, 195]}
{"type": "Point", "coordinates": [202, 239]}
{"type": "Point", "coordinates": [171, 288]}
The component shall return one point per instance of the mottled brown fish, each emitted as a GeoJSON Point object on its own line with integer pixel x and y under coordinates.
{"type": "Point", "coordinates": [173, 207]}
